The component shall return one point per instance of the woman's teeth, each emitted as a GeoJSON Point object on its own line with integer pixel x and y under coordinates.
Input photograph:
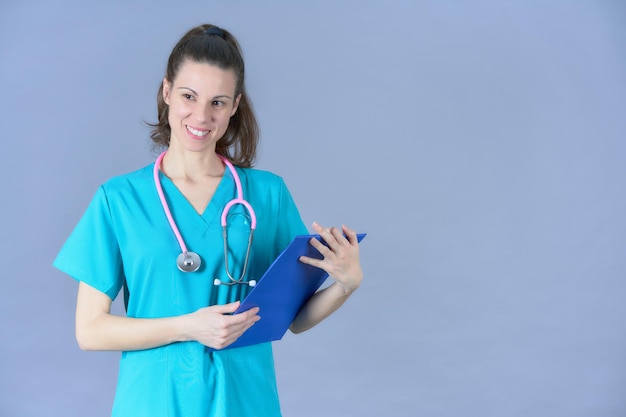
{"type": "Point", "coordinates": [198, 132]}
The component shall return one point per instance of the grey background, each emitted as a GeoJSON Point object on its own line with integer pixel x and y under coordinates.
{"type": "Point", "coordinates": [481, 144]}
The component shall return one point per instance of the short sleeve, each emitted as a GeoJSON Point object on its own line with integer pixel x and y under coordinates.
{"type": "Point", "coordinates": [91, 254]}
{"type": "Point", "coordinates": [290, 223]}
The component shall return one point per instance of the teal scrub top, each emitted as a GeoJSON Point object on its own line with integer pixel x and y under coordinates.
{"type": "Point", "coordinates": [124, 241]}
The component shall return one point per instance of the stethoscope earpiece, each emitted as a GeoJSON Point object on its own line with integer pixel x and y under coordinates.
{"type": "Point", "coordinates": [217, 282]}
{"type": "Point", "coordinates": [189, 261]}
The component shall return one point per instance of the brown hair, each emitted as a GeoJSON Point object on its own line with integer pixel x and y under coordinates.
{"type": "Point", "coordinates": [213, 45]}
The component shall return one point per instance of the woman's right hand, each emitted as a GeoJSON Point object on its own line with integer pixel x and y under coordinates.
{"type": "Point", "coordinates": [216, 327]}
{"type": "Point", "coordinates": [98, 329]}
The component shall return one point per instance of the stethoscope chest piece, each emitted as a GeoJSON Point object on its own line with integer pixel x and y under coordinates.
{"type": "Point", "coordinates": [188, 262]}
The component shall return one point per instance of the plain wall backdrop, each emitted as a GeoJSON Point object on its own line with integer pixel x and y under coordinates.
{"type": "Point", "coordinates": [480, 144]}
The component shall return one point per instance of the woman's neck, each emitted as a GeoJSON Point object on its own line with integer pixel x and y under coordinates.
{"type": "Point", "coordinates": [192, 166]}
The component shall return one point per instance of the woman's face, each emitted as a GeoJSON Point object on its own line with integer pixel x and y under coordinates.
{"type": "Point", "coordinates": [201, 101]}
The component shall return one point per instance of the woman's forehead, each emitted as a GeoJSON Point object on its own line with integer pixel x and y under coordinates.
{"type": "Point", "coordinates": [203, 75]}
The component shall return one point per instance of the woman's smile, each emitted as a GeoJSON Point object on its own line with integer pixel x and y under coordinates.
{"type": "Point", "coordinates": [197, 133]}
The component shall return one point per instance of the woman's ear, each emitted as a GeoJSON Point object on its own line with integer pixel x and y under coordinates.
{"type": "Point", "coordinates": [166, 91]}
{"type": "Point", "coordinates": [235, 105]}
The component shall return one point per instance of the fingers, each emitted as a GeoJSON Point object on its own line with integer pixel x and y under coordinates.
{"type": "Point", "coordinates": [340, 255]}
{"type": "Point", "coordinates": [334, 238]}
{"type": "Point", "coordinates": [239, 324]}
{"type": "Point", "coordinates": [325, 248]}
{"type": "Point", "coordinates": [225, 308]}
{"type": "Point", "coordinates": [331, 235]}
{"type": "Point", "coordinates": [325, 233]}
{"type": "Point", "coordinates": [231, 308]}
{"type": "Point", "coordinates": [333, 246]}
{"type": "Point", "coordinates": [218, 328]}
{"type": "Point", "coordinates": [248, 316]}
{"type": "Point", "coordinates": [318, 263]}
{"type": "Point", "coordinates": [351, 235]}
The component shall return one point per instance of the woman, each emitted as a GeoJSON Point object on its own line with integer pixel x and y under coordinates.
{"type": "Point", "coordinates": [175, 319]}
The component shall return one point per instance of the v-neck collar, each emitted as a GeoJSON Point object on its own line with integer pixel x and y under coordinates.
{"type": "Point", "coordinates": [178, 203]}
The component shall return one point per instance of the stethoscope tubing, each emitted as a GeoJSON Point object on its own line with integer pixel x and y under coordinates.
{"type": "Point", "coordinates": [166, 208]}
{"type": "Point", "coordinates": [190, 261]}
{"type": "Point", "coordinates": [239, 199]}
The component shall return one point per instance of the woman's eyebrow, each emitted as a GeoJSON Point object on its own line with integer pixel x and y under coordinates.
{"type": "Point", "coordinates": [215, 97]}
{"type": "Point", "coordinates": [187, 88]}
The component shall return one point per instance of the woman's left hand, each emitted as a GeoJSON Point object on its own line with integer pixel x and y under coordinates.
{"type": "Point", "coordinates": [340, 256]}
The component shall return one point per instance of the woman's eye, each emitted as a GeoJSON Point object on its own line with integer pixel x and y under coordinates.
{"type": "Point", "coordinates": [188, 96]}
{"type": "Point", "coordinates": [218, 103]}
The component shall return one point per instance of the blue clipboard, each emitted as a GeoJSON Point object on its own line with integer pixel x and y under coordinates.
{"type": "Point", "coordinates": [282, 291]}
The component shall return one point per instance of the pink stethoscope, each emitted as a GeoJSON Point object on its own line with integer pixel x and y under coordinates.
{"type": "Point", "coordinates": [189, 261]}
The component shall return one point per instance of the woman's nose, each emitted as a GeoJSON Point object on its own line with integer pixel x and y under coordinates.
{"type": "Point", "coordinates": [204, 112]}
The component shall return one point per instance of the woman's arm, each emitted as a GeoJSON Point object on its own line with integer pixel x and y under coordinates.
{"type": "Point", "coordinates": [341, 261]}
{"type": "Point", "coordinates": [98, 329]}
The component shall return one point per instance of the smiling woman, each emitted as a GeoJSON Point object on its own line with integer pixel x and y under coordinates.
{"type": "Point", "coordinates": [216, 48]}
{"type": "Point", "coordinates": [176, 311]}
{"type": "Point", "coordinates": [201, 101]}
